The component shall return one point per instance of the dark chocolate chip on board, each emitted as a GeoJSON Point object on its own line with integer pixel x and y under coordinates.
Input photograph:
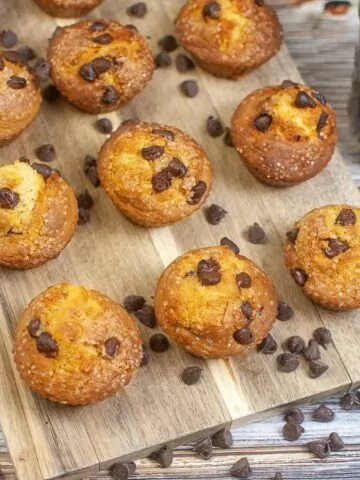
{"type": "Point", "coordinates": [323, 414]}
{"type": "Point", "coordinates": [211, 10]}
{"type": "Point", "coordinates": [320, 448]}
{"type": "Point", "coordinates": [112, 346]}
{"type": "Point", "coordinates": [138, 10]}
{"type": "Point", "coordinates": [46, 153]}
{"type": "Point", "coordinates": [93, 176]}
{"type": "Point", "coordinates": [26, 53]}
{"type": "Point", "coordinates": [152, 152]}
{"type": "Point", "coordinates": [350, 401]}
{"type": "Point", "coordinates": [47, 345]}
{"type": "Point", "coordinates": [104, 125]}
{"type": "Point", "coordinates": [336, 442]}
{"type": "Point", "coordinates": [191, 375]}
{"type": "Point", "coordinates": [146, 315]}
{"type": "Point", "coordinates": [294, 415]}
{"type": "Point", "coordinates": [197, 193]}
{"type": "Point", "coordinates": [89, 161]}
{"type": "Point", "coordinates": [190, 88]}
{"type": "Point", "coordinates": [8, 38]}
{"type": "Point", "coordinates": [84, 216]}
{"type": "Point", "coordinates": [295, 344]}
{"type": "Point", "coordinates": [225, 241]}
{"type": "Point", "coordinates": [227, 138]}
{"type": "Point", "coordinates": [168, 43]}
{"type": "Point", "coordinates": [164, 457]}
{"type": "Point", "coordinates": [278, 476]}
{"type": "Point", "coordinates": [312, 351]}
{"type": "Point", "coordinates": [241, 469]}
{"type": "Point", "coordinates": [214, 214]}
{"type": "Point", "coordinates": [184, 63]}
{"type": "Point", "coordinates": [303, 100]}
{"type": "Point", "coordinates": [256, 234]}
{"type": "Point", "coordinates": [323, 336]}
{"type": "Point", "coordinates": [132, 303]}
{"type": "Point", "coordinates": [203, 448]}
{"type": "Point", "coordinates": [346, 217]}
{"type": "Point", "coordinates": [162, 60]}
{"type": "Point", "coordinates": [8, 198]}
{"type": "Point", "coordinates": [263, 121]}
{"type": "Point", "coordinates": [214, 127]}
{"type": "Point", "coordinates": [85, 200]}
{"type": "Point", "coordinates": [50, 94]}
{"type": "Point", "coordinates": [159, 343]}
{"type": "Point", "coordinates": [292, 431]}
{"type": "Point", "coordinates": [268, 346]}
{"type": "Point", "coordinates": [43, 170]}
{"type": "Point", "coordinates": [287, 362]}
{"type": "Point", "coordinates": [317, 368]}
{"type": "Point", "coordinates": [222, 439]}
{"type": "Point", "coordinates": [119, 471]}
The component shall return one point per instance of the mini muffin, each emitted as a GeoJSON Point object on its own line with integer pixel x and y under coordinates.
{"type": "Point", "coordinates": [154, 174]}
{"type": "Point", "coordinates": [322, 253]}
{"type": "Point", "coordinates": [284, 134]}
{"type": "Point", "coordinates": [76, 346]}
{"type": "Point", "coordinates": [68, 8]}
{"type": "Point", "coordinates": [38, 214]}
{"type": "Point", "coordinates": [99, 65]}
{"type": "Point", "coordinates": [215, 303]}
{"type": "Point", "coordinates": [20, 97]}
{"type": "Point", "coordinates": [229, 38]}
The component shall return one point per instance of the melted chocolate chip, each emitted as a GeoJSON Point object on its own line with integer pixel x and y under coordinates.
{"type": "Point", "coordinates": [112, 346]}
{"type": "Point", "coordinates": [8, 198]}
{"type": "Point", "coordinates": [46, 153]}
{"type": "Point", "coordinates": [16, 83]}
{"type": "Point", "coordinates": [243, 280]}
{"type": "Point", "coordinates": [104, 125]}
{"type": "Point", "coordinates": [246, 310]}
{"type": "Point", "coordinates": [191, 375]}
{"type": "Point", "coordinates": [87, 72]}
{"type": "Point", "coordinates": [214, 127]}
{"type": "Point", "coordinates": [299, 276]}
{"type": "Point", "coordinates": [190, 88]}
{"type": "Point", "coordinates": [292, 431]}
{"type": "Point", "coordinates": [197, 193]}
{"type": "Point", "coordinates": [214, 214]}
{"type": "Point", "coordinates": [184, 63]}
{"type": "Point", "coordinates": [153, 152]}
{"type": "Point", "coordinates": [335, 248]}
{"type": "Point", "coordinates": [34, 327]}
{"type": "Point", "coordinates": [222, 439]}
{"type": "Point", "coordinates": [101, 65]}
{"type": "Point", "coordinates": [98, 26]}
{"type": "Point", "coordinates": [208, 272]}
{"type": "Point", "coordinates": [164, 457]}
{"type": "Point", "coordinates": [132, 303]}
{"type": "Point", "coordinates": [319, 97]}
{"type": "Point", "coordinates": [303, 100]}
{"type": "Point", "coordinates": [268, 346]}
{"type": "Point", "coordinates": [225, 241]}
{"type": "Point", "coordinates": [295, 344]}
{"type": "Point", "coordinates": [168, 134]}
{"type": "Point", "coordinates": [292, 235]}
{"type": "Point", "coordinates": [47, 345]}
{"type": "Point", "coordinates": [110, 95]}
{"type": "Point", "coordinates": [244, 336]}
{"type": "Point", "coordinates": [346, 217]}
{"type": "Point", "coordinates": [138, 10]}
{"type": "Point", "coordinates": [287, 362]}
{"type": "Point", "coordinates": [285, 312]}
{"type": "Point", "coordinates": [263, 122]}
{"type": "Point", "coordinates": [211, 10]}
{"type": "Point", "coordinates": [159, 343]}
{"type": "Point", "coordinates": [323, 336]}
{"type": "Point", "coordinates": [43, 170]}
{"type": "Point", "coordinates": [322, 122]}
{"type": "Point", "coordinates": [168, 43]}
{"type": "Point", "coordinates": [103, 39]}
{"type": "Point", "coordinates": [317, 368]}
{"type": "Point", "coordinates": [146, 315]}
{"type": "Point", "coordinates": [203, 448]}
{"type": "Point", "coordinates": [177, 168]}
{"type": "Point", "coordinates": [162, 60]}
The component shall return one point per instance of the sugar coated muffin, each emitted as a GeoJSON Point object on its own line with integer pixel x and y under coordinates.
{"type": "Point", "coordinates": [284, 134]}
{"type": "Point", "coordinates": [215, 303]}
{"type": "Point", "coordinates": [68, 8]}
{"type": "Point", "coordinates": [76, 346]}
{"type": "Point", "coordinates": [38, 214]}
{"type": "Point", "coordinates": [20, 97]}
{"type": "Point", "coordinates": [154, 174]}
{"type": "Point", "coordinates": [229, 38]}
{"type": "Point", "coordinates": [322, 252]}
{"type": "Point", "coordinates": [99, 65]}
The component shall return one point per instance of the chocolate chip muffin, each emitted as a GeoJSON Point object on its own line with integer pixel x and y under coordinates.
{"type": "Point", "coordinates": [68, 8]}
{"type": "Point", "coordinates": [76, 346]}
{"type": "Point", "coordinates": [20, 97]}
{"type": "Point", "coordinates": [215, 303]}
{"type": "Point", "coordinates": [38, 214]}
{"type": "Point", "coordinates": [284, 134]}
{"type": "Point", "coordinates": [99, 65]}
{"type": "Point", "coordinates": [154, 174]}
{"type": "Point", "coordinates": [322, 252]}
{"type": "Point", "coordinates": [229, 38]}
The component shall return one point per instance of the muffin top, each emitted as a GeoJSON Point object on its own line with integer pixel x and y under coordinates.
{"type": "Point", "coordinates": [323, 254]}
{"type": "Point", "coordinates": [75, 345]}
{"type": "Point", "coordinates": [215, 303]}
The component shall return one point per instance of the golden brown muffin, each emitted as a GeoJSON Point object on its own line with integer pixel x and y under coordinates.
{"type": "Point", "coordinates": [68, 8]}
{"type": "Point", "coordinates": [229, 38]}
{"type": "Point", "coordinates": [322, 253]}
{"type": "Point", "coordinates": [284, 134]}
{"type": "Point", "coordinates": [215, 303]}
{"type": "Point", "coordinates": [154, 174]}
{"type": "Point", "coordinates": [76, 346]}
{"type": "Point", "coordinates": [99, 65]}
{"type": "Point", "coordinates": [38, 216]}
{"type": "Point", "coordinates": [20, 97]}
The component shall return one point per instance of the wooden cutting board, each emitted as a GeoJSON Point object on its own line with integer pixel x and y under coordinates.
{"type": "Point", "coordinates": [112, 255]}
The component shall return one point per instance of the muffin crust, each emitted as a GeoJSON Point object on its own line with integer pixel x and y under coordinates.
{"type": "Point", "coordinates": [68, 8]}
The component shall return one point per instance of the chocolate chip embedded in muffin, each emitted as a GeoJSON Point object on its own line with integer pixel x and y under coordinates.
{"type": "Point", "coordinates": [112, 346]}
{"type": "Point", "coordinates": [8, 198]}
{"type": "Point", "coordinates": [292, 234]}
{"type": "Point", "coordinates": [34, 327]}
{"type": "Point", "coordinates": [244, 336]}
{"type": "Point", "coordinates": [177, 168]}
{"type": "Point", "coordinates": [263, 122]}
{"type": "Point", "coordinates": [47, 345]}
{"type": "Point", "coordinates": [243, 280]}
{"type": "Point", "coordinates": [16, 83]}
{"type": "Point", "coordinates": [211, 10]}
{"type": "Point", "coordinates": [335, 247]}
{"type": "Point", "coordinates": [299, 276]}
{"type": "Point", "coordinates": [197, 193]}
{"type": "Point", "coordinates": [346, 217]}
{"type": "Point", "coordinates": [208, 272]}
{"type": "Point", "coordinates": [152, 152]}
{"type": "Point", "coordinates": [303, 100]}
{"type": "Point", "coordinates": [43, 170]}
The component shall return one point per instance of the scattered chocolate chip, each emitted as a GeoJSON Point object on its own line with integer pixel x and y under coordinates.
{"type": "Point", "coordinates": [288, 84]}
{"type": "Point", "coordinates": [285, 312]}
{"type": "Point", "coordinates": [287, 362]}
{"type": "Point", "coordinates": [184, 63]}
{"type": "Point", "coordinates": [208, 272]}
{"type": "Point", "coordinates": [16, 83]}
{"type": "Point", "coordinates": [317, 368]}
{"type": "Point", "coordinates": [162, 60]}
{"type": "Point", "coordinates": [227, 138]}
{"type": "Point", "coordinates": [8, 38]}
{"type": "Point", "coordinates": [168, 134]}
{"type": "Point", "coordinates": [159, 343]}
{"type": "Point", "coordinates": [164, 457]}
{"type": "Point", "coordinates": [214, 127]}
{"type": "Point", "coordinates": [190, 88]}
{"type": "Point", "coordinates": [346, 217]}
{"type": "Point", "coordinates": [319, 97]}
{"type": "Point", "coordinates": [47, 345]}
{"type": "Point", "coordinates": [226, 242]}
{"type": "Point", "coordinates": [350, 401]}
{"type": "Point", "coordinates": [33, 327]}
{"type": "Point", "coordinates": [177, 168]}
{"type": "Point", "coordinates": [93, 176]}
{"type": "Point", "coordinates": [104, 125]}
{"type": "Point", "coordinates": [241, 469]}
{"type": "Point", "coordinates": [323, 414]}
{"type": "Point", "coordinates": [295, 344]}
{"type": "Point", "coordinates": [146, 315]}
{"type": "Point", "coordinates": [278, 476]}
{"type": "Point", "coordinates": [337, 7]}
{"type": "Point", "coordinates": [42, 70]}
{"type": "Point", "coordinates": [244, 336]}
{"type": "Point", "coordinates": [103, 39]}
{"type": "Point", "coordinates": [12, 56]}
{"type": "Point", "coordinates": [46, 153]}
{"type": "Point", "coordinates": [85, 200]}
{"type": "Point", "coordinates": [24, 159]}
{"type": "Point", "coordinates": [168, 43]}
{"type": "Point", "coordinates": [303, 100]}
{"type": "Point", "coordinates": [110, 95]}
{"type": "Point", "coordinates": [246, 309]}
{"type": "Point", "coordinates": [203, 448]}
{"type": "Point", "coordinates": [335, 248]}
{"type": "Point", "coordinates": [191, 375]}
{"type": "Point", "coordinates": [243, 280]}
{"type": "Point", "coordinates": [132, 303]}
{"type": "Point", "coordinates": [26, 54]}
{"type": "Point", "coordinates": [98, 26]}
{"type": "Point", "coordinates": [138, 10]}
{"type": "Point", "coordinates": [299, 276]}
{"type": "Point", "coordinates": [145, 357]}
{"type": "Point", "coordinates": [263, 121]}
{"type": "Point", "coordinates": [153, 152]}
{"type": "Point", "coordinates": [112, 346]}
{"type": "Point", "coordinates": [89, 161]}
{"type": "Point", "coordinates": [336, 442]}
{"type": "Point", "coordinates": [214, 214]}
{"type": "Point", "coordinates": [8, 198]}
{"type": "Point", "coordinates": [256, 234]}
{"type": "Point", "coordinates": [119, 471]}
{"type": "Point", "coordinates": [292, 431]}
{"type": "Point", "coordinates": [320, 448]}
{"type": "Point", "coordinates": [84, 216]}
{"type": "Point", "coordinates": [292, 235]}
{"type": "Point", "coordinates": [323, 336]}
{"type": "Point", "coordinates": [50, 94]}
{"type": "Point", "coordinates": [322, 122]}
{"type": "Point", "coordinates": [161, 181]}
{"type": "Point", "coordinates": [211, 10]}
{"type": "Point", "coordinates": [222, 439]}
{"type": "Point", "coordinates": [87, 72]}
{"type": "Point", "coordinates": [197, 193]}
{"type": "Point", "coordinates": [312, 352]}
{"type": "Point", "coordinates": [101, 65]}
{"type": "Point", "coordinates": [268, 346]}
{"type": "Point", "coordinates": [43, 170]}
{"type": "Point", "coordinates": [294, 415]}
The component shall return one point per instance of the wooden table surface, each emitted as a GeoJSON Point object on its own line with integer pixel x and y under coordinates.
{"type": "Point", "coordinates": [323, 48]}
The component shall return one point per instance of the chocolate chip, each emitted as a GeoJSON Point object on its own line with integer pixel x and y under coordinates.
{"type": "Point", "coordinates": [241, 469]}
{"type": "Point", "coordinates": [138, 10]}
{"type": "Point", "coordinates": [346, 217]}
{"type": "Point", "coordinates": [145, 357]}
{"type": "Point", "coordinates": [85, 200]}
{"type": "Point", "coordinates": [112, 346]}
{"type": "Point", "coordinates": [46, 152]}
{"type": "Point", "coordinates": [8, 198]}
{"type": "Point", "coordinates": [243, 280]}
{"type": "Point", "coordinates": [26, 53]}
{"type": "Point", "coordinates": [8, 38]}
{"type": "Point", "coordinates": [87, 72]}
{"type": "Point", "coordinates": [159, 343]}
{"type": "Point", "coordinates": [319, 448]}
{"type": "Point", "coordinates": [197, 193]}
{"type": "Point", "coordinates": [214, 214]}
{"type": "Point", "coordinates": [226, 242]}
{"type": "Point", "coordinates": [104, 125]}
{"type": "Point", "coordinates": [110, 95]}
{"type": "Point", "coordinates": [256, 234]}
{"type": "Point", "coordinates": [2, 66]}
{"type": "Point", "coordinates": [292, 431]}
{"type": "Point", "coordinates": [146, 315]}
{"type": "Point", "coordinates": [312, 352]}
{"type": "Point", "coordinates": [294, 415]}
{"type": "Point", "coordinates": [268, 346]}
{"type": "Point", "coordinates": [98, 26]}
{"type": "Point", "coordinates": [89, 161]}
{"type": "Point", "coordinates": [168, 134]}
{"type": "Point", "coordinates": [101, 65]}
{"type": "Point", "coordinates": [278, 476]}
{"type": "Point", "coordinates": [84, 216]}
{"type": "Point", "coordinates": [214, 127]}
{"type": "Point", "coordinates": [132, 303]}
{"type": "Point", "coordinates": [222, 439]}
{"type": "Point", "coordinates": [285, 312]}
{"type": "Point", "coordinates": [350, 401]}
{"type": "Point", "coordinates": [12, 56]}
{"type": "Point", "coordinates": [211, 10]}
{"type": "Point", "coordinates": [227, 138]}
{"type": "Point", "coordinates": [42, 70]}
{"type": "Point", "coordinates": [119, 471]}
{"type": "Point", "coordinates": [303, 100]}
{"type": "Point", "coordinates": [50, 94]}
{"type": "Point", "coordinates": [335, 248]}
{"type": "Point", "coordinates": [184, 63]}
{"type": "Point", "coordinates": [161, 181]}
{"type": "Point", "coordinates": [24, 159]}
{"type": "Point", "coordinates": [164, 457]}
{"type": "Point", "coordinates": [336, 442]}
{"type": "Point", "coordinates": [263, 121]}
{"type": "Point", "coordinates": [177, 168]}
{"type": "Point", "coordinates": [208, 272]}
{"type": "Point", "coordinates": [47, 345]}
{"type": "Point", "coordinates": [43, 170]}
{"type": "Point", "coordinates": [323, 414]}
{"type": "Point", "coordinates": [322, 122]}
{"type": "Point", "coordinates": [191, 375]}
{"type": "Point", "coordinates": [295, 344]}
{"type": "Point", "coordinates": [131, 27]}
{"type": "Point", "coordinates": [292, 235]}
{"type": "Point", "coordinates": [319, 97]}
{"type": "Point", "coordinates": [203, 448]}
{"type": "Point", "coordinates": [317, 368]}
{"type": "Point", "coordinates": [153, 152]}
{"type": "Point", "coordinates": [162, 60]}
{"type": "Point", "coordinates": [246, 309]}
{"type": "Point", "coordinates": [259, 3]}
{"type": "Point", "coordinates": [103, 39]}
{"type": "Point", "coordinates": [244, 336]}
{"type": "Point", "coordinates": [287, 362]}
{"type": "Point", "coordinates": [93, 176]}
{"type": "Point", "coordinates": [299, 276]}
{"type": "Point", "coordinates": [323, 336]}
{"type": "Point", "coordinates": [190, 88]}
{"type": "Point", "coordinates": [33, 327]}
{"type": "Point", "coordinates": [16, 83]}
{"type": "Point", "coordinates": [168, 43]}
